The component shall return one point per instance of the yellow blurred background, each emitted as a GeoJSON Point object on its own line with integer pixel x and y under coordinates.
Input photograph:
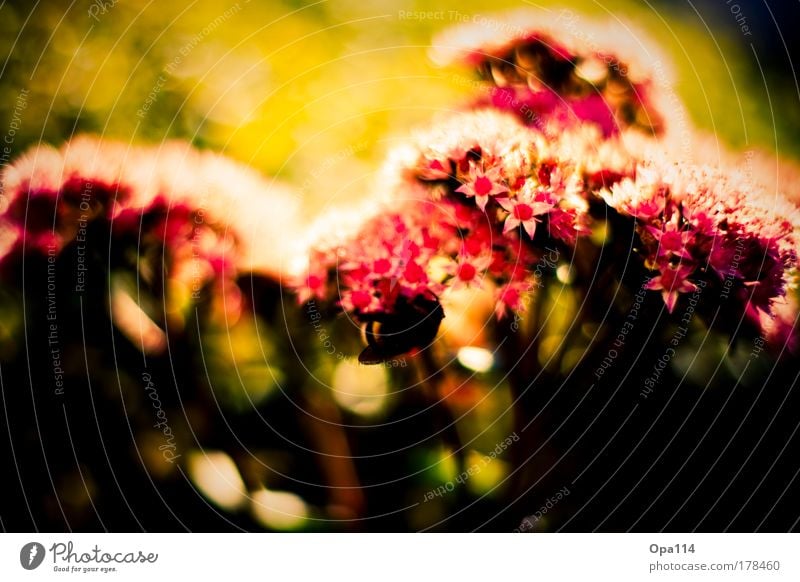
{"type": "Point", "coordinates": [315, 93]}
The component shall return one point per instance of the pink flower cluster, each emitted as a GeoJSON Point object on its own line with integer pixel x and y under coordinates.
{"type": "Point", "coordinates": [479, 196]}
{"type": "Point", "coordinates": [700, 223]}
{"type": "Point", "coordinates": [470, 215]}
{"type": "Point", "coordinates": [56, 196]}
{"type": "Point", "coordinates": [200, 205]}
{"type": "Point", "coordinates": [555, 69]}
{"type": "Point", "coordinates": [474, 200]}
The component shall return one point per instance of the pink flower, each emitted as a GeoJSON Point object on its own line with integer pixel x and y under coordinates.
{"type": "Point", "coordinates": [671, 241]}
{"type": "Point", "coordinates": [313, 286]}
{"type": "Point", "coordinates": [478, 241]}
{"type": "Point", "coordinates": [640, 197]}
{"type": "Point", "coordinates": [523, 212]}
{"type": "Point", "coordinates": [510, 297]}
{"type": "Point", "coordinates": [482, 184]}
{"type": "Point", "coordinates": [469, 272]}
{"type": "Point", "coordinates": [414, 273]}
{"type": "Point", "coordinates": [565, 225]}
{"type": "Point", "coordinates": [671, 282]}
{"type": "Point", "coordinates": [436, 169]}
{"type": "Point", "coordinates": [359, 300]}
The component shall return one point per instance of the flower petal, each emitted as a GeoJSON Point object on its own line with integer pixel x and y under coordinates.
{"type": "Point", "coordinates": [511, 224]}
{"type": "Point", "coordinates": [530, 227]}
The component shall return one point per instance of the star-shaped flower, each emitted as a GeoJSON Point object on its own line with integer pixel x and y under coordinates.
{"type": "Point", "coordinates": [671, 282]}
{"type": "Point", "coordinates": [482, 184]}
{"type": "Point", "coordinates": [523, 211]}
{"type": "Point", "coordinates": [671, 240]}
{"type": "Point", "coordinates": [469, 271]}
